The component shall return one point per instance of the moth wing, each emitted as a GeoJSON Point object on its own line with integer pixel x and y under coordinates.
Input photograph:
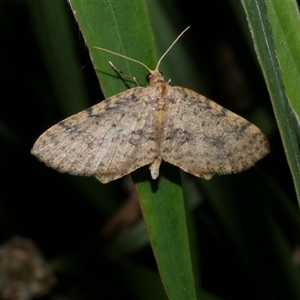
{"type": "Point", "coordinates": [108, 140]}
{"type": "Point", "coordinates": [203, 138]}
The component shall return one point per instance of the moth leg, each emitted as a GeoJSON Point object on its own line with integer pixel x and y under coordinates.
{"type": "Point", "coordinates": [125, 74]}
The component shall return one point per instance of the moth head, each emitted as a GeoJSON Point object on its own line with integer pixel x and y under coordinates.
{"type": "Point", "coordinates": [155, 76]}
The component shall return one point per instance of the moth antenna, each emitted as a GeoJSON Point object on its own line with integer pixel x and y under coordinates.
{"type": "Point", "coordinates": [171, 47]}
{"type": "Point", "coordinates": [123, 56]}
{"type": "Point", "coordinates": [139, 62]}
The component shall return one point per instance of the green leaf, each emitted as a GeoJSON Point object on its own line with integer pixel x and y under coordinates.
{"type": "Point", "coordinates": [282, 278]}
{"type": "Point", "coordinates": [164, 213]}
{"type": "Point", "coordinates": [111, 25]}
{"type": "Point", "coordinates": [285, 26]}
{"type": "Point", "coordinates": [124, 28]}
{"type": "Point", "coordinates": [276, 60]}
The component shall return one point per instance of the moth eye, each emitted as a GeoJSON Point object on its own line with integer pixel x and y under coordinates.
{"type": "Point", "coordinates": [148, 77]}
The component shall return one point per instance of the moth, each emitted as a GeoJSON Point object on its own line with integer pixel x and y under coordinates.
{"type": "Point", "coordinates": [146, 125]}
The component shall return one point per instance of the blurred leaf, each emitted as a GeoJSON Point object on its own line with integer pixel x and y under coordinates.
{"type": "Point", "coordinates": [254, 231]}
{"type": "Point", "coordinates": [53, 33]}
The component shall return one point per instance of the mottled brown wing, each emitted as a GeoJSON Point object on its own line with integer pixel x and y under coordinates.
{"type": "Point", "coordinates": [203, 138]}
{"type": "Point", "coordinates": [108, 140]}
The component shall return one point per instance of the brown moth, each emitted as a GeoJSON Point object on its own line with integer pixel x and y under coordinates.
{"type": "Point", "coordinates": [145, 125]}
